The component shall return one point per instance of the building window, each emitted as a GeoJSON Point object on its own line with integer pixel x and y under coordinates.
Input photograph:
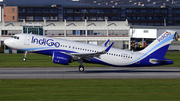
{"type": "Point", "coordinates": [143, 11]}
{"type": "Point", "coordinates": [54, 11]}
{"type": "Point", "coordinates": [37, 11]}
{"type": "Point", "coordinates": [150, 18]}
{"type": "Point", "coordinates": [115, 11]}
{"type": "Point", "coordinates": [4, 32]}
{"type": "Point", "coordinates": [82, 32]}
{"type": "Point", "coordinates": [29, 17]}
{"type": "Point", "coordinates": [136, 11]}
{"type": "Point", "coordinates": [96, 32]}
{"type": "Point", "coordinates": [150, 24]}
{"type": "Point", "coordinates": [123, 14]}
{"type": "Point", "coordinates": [92, 18]}
{"type": "Point", "coordinates": [99, 18]}
{"type": "Point", "coordinates": [177, 11]}
{"type": "Point", "coordinates": [45, 18]}
{"type": "Point", "coordinates": [116, 18]}
{"type": "Point", "coordinates": [37, 18]}
{"type": "Point", "coordinates": [85, 11]}
{"type": "Point", "coordinates": [21, 17]}
{"type": "Point", "coordinates": [69, 18]}
{"type": "Point", "coordinates": [69, 10]}
{"type": "Point", "coordinates": [45, 10]}
{"type": "Point", "coordinates": [13, 10]}
{"type": "Point", "coordinates": [77, 11]}
{"type": "Point", "coordinates": [157, 11]}
{"type": "Point", "coordinates": [129, 18]}
{"type": "Point", "coordinates": [29, 10]}
{"type": "Point", "coordinates": [92, 10]}
{"type": "Point", "coordinates": [164, 11]}
{"type": "Point", "coordinates": [13, 18]}
{"type": "Point", "coordinates": [100, 11]}
{"type": "Point", "coordinates": [123, 18]}
{"type": "Point", "coordinates": [10, 32]}
{"type": "Point", "coordinates": [136, 24]}
{"type": "Point", "coordinates": [54, 17]}
{"type": "Point", "coordinates": [21, 10]}
{"type": "Point", "coordinates": [136, 18]}
{"type": "Point", "coordinates": [129, 11]}
{"type": "Point", "coordinates": [177, 18]}
{"type": "Point", "coordinates": [164, 17]}
{"type": "Point", "coordinates": [157, 18]}
{"type": "Point", "coordinates": [157, 24]}
{"type": "Point", "coordinates": [143, 18]}
{"type": "Point", "coordinates": [77, 18]}
{"type": "Point", "coordinates": [150, 11]}
{"type": "Point", "coordinates": [107, 10]}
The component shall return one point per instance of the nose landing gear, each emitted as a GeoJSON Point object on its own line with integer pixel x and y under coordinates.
{"type": "Point", "coordinates": [25, 55]}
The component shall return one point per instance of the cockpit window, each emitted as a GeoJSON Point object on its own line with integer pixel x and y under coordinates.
{"type": "Point", "coordinates": [15, 37]}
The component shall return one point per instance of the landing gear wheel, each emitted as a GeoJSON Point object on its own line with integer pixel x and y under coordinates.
{"type": "Point", "coordinates": [25, 55]}
{"type": "Point", "coordinates": [24, 59]}
{"type": "Point", "coordinates": [81, 68]}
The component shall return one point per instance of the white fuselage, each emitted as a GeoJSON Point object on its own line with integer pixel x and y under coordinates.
{"type": "Point", "coordinates": [150, 56]}
{"type": "Point", "coordinates": [46, 45]}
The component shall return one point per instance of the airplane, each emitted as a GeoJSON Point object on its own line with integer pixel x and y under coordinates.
{"type": "Point", "coordinates": [66, 51]}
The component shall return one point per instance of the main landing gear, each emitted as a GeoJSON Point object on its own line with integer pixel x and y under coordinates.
{"type": "Point", "coordinates": [25, 55]}
{"type": "Point", "coordinates": [81, 67]}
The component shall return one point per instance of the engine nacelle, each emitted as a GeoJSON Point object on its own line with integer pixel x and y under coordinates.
{"type": "Point", "coordinates": [61, 58]}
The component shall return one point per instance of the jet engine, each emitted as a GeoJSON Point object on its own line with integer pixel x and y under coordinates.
{"type": "Point", "coordinates": [61, 58]}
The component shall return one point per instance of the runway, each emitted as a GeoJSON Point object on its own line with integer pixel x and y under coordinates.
{"type": "Point", "coordinates": [90, 73]}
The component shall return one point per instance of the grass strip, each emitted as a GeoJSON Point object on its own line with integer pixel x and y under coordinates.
{"type": "Point", "coordinates": [90, 90]}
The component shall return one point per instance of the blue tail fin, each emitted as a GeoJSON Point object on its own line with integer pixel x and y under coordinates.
{"type": "Point", "coordinates": [160, 46]}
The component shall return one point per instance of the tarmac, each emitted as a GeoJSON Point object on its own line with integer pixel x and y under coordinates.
{"type": "Point", "coordinates": [90, 73]}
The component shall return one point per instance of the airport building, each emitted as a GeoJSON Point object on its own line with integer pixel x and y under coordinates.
{"type": "Point", "coordinates": [90, 21]}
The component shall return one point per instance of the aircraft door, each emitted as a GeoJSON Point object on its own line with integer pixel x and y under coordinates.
{"type": "Point", "coordinates": [27, 40]}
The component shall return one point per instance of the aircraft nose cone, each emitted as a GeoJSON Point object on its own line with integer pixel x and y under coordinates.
{"type": "Point", "coordinates": [8, 42]}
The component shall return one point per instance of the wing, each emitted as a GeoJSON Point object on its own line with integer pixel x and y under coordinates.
{"type": "Point", "coordinates": [88, 56]}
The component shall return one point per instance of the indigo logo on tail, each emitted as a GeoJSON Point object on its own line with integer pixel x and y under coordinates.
{"type": "Point", "coordinates": [164, 36]}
